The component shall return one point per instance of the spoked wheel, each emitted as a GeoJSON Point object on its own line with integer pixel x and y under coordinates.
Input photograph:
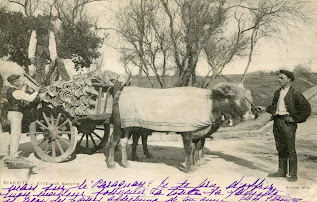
{"type": "Point", "coordinates": [54, 138]}
{"type": "Point", "coordinates": [92, 138]}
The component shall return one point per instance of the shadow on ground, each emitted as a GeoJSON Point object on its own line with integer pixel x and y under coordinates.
{"type": "Point", "coordinates": [175, 156]}
{"type": "Point", "coordinates": [171, 156]}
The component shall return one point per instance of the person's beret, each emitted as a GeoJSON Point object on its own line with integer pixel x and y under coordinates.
{"type": "Point", "coordinates": [288, 74]}
{"type": "Point", "coordinates": [13, 77]}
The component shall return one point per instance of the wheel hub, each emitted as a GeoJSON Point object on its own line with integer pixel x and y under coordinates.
{"type": "Point", "coordinates": [50, 133]}
{"type": "Point", "coordinates": [86, 128]}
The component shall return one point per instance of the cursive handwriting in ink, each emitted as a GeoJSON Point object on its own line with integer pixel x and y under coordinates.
{"type": "Point", "coordinates": [205, 187]}
{"type": "Point", "coordinates": [147, 191]}
{"type": "Point", "coordinates": [107, 188]}
{"type": "Point", "coordinates": [254, 191]}
{"type": "Point", "coordinates": [159, 189]}
{"type": "Point", "coordinates": [126, 197]}
{"type": "Point", "coordinates": [14, 192]}
{"type": "Point", "coordinates": [81, 186]}
{"type": "Point", "coordinates": [24, 187]}
{"type": "Point", "coordinates": [212, 188]}
{"type": "Point", "coordinates": [181, 189]}
{"type": "Point", "coordinates": [123, 184]}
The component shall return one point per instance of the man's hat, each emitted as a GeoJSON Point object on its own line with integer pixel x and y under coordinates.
{"type": "Point", "coordinates": [12, 78]}
{"type": "Point", "coordinates": [288, 74]}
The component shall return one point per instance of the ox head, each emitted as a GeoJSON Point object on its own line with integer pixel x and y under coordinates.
{"type": "Point", "coordinates": [231, 101]}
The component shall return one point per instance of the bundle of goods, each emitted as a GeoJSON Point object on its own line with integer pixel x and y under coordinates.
{"type": "Point", "coordinates": [86, 94]}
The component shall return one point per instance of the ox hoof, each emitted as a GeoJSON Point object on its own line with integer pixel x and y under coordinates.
{"type": "Point", "coordinates": [125, 164]}
{"type": "Point", "coordinates": [190, 170]}
{"type": "Point", "coordinates": [135, 158]}
{"type": "Point", "coordinates": [184, 168]}
{"type": "Point", "coordinates": [110, 166]}
{"type": "Point", "coordinates": [149, 156]}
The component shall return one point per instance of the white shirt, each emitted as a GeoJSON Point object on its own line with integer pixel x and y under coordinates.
{"type": "Point", "coordinates": [21, 95]}
{"type": "Point", "coordinates": [281, 108]}
{"type": "Point", "coordinates": [52, 45]}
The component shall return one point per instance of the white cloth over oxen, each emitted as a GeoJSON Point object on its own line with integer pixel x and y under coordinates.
{"type": "Point", "coordinates": [174, 109]}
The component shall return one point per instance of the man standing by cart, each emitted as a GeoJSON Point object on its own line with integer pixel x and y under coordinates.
{"type": "Point", "coordinates": [17, 99]}
{"type": "Point", "coordinates": [42, 48]}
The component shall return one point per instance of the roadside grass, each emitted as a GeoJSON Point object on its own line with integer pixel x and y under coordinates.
{"type": "Point", "coordinates": [262, 87]}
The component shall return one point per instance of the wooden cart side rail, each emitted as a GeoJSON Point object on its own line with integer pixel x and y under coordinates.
{"type": "Point", "coordinates": [101, 115]}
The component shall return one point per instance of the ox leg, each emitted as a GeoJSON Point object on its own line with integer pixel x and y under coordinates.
{"type": "Point", "coordinates": [187, 141]}
{"type": "Point", "coordinates": [193, 153]}
{"type": "Point", "coordinates": [135, 137]}
{"type": "Point", "coordinates": [113, 143]}
{"type": "Point", "coordinates": [115, 138]}
{"type": "Point", "coordinates": [201, 158]}
{"type": "Point", "coordinates": [144, 144]}
{"type": "Point", "coordinates": [124, 144]}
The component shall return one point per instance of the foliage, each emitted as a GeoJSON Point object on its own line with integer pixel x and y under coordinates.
{"type": "Point", "coordinates": [76, 40]}
{"type": "Point", "coordinates": [302, 69]}
{"type": "Point", "coordinates": [15, 31]}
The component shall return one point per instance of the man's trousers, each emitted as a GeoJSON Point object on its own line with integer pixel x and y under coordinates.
{"type": "Point", "coordinates": [40, 63]}
{"type": "Point", "coordinates": [15, 120]}
{"type": "Point", "coordinates": [284, 134]}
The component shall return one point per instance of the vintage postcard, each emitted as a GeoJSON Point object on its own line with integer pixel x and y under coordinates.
{"type": "Point", "coordinates": [158, 100]}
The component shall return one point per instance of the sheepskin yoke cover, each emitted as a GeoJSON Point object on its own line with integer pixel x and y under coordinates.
{"type": "Point", "coordinates": [179, 109]}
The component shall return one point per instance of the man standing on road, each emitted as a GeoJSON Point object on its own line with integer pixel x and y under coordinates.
{"type": "Point", "coordinates": [288, 108]}
{"type": "Point", "coordinates": [16, 99]}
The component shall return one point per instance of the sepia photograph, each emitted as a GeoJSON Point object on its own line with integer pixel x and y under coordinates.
{"type": "Point", "coordinates": [158, 100]}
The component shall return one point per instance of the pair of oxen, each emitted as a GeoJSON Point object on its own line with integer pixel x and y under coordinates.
{"type": "Point", "coordinates": [226, 101]}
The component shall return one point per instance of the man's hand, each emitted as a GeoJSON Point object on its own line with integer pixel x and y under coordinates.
{"type": "Point", "coordinates": [32, 60]}
{"type": "Point", "coordinates": [261, 108]}
{"type": "Point", "coordinates": [53, 63]}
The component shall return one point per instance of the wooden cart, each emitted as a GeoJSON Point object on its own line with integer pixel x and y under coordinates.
{"type": "Point", "coordinates": [55, 135]}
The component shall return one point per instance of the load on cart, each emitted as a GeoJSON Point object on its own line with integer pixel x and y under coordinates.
{"type": "Point", "coordinates": [71, 115]}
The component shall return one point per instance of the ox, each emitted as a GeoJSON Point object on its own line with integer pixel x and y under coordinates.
{"type": "Point", "coordinates": [191, 112]}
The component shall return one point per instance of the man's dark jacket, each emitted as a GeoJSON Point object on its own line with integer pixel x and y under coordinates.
{"type": "Point", "coordinates": [296, 105]}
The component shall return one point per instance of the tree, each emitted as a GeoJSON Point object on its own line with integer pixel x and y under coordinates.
{"type": "Point", "coordinates": [169, 33]}
{"type": "Point", "coordinates": [79, 43]}
{"type": "Point", "coordinates": [191, 25]}
{"type": "Point", "coordinates": [146, 43]}
{"type": "Point", "coordinates": [15, 30]}
{"type": "Point", "coordinates": [77, 40]}
{"type": "Point", "coordinates": [222, 47]}
{"type": "Point", "coordinates": [303, 68]}
{"type": "Point", "coordinates": [71, 11]}
{"type": "Point", "coordinates": [29, 6]}
{"type": "Point", "coordinates": [267, 18]}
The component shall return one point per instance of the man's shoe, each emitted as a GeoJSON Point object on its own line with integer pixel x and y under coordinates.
{"type": "Point", "coordinates": [292, 178]}
{"type": "Point", "coordinates": [277, 174]}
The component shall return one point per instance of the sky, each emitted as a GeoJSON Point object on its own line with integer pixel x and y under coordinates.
{"type": "Point", "coordinates": [300, 46]}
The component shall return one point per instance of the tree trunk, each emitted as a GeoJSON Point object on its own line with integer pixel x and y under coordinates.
{"type": "Point", "coordinates": [250, 54]}
{"type": "Point", "coordinates": [140, 75]}
{"type": "Point", "coordinates": [183, 79]}
{"type": "Point", "coordinates": [214, 73]}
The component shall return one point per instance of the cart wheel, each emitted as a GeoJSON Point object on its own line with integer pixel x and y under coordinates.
{"type": "Point", "coordinates": [53, 139]}
{"type": "Point", "coordinates": [91, 140]}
